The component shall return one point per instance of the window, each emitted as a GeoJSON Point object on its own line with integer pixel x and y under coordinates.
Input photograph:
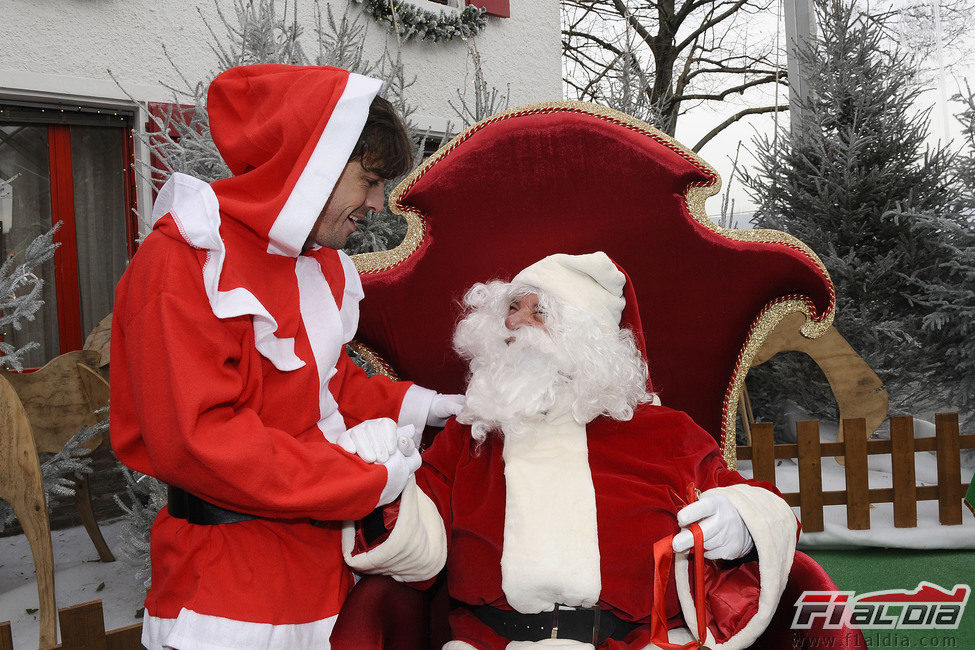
{"type": "Point", "coordinates": [493, 7]}
{"type": "Point", "coordinates": [69, 164]}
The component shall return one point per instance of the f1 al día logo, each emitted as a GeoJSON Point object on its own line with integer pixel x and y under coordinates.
{"type": "Point", "coordinates": [929, 607]}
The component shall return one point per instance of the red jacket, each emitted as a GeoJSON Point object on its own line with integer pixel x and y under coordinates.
{"type": "Point", "coordinates": [640, 470]}
{"type": "Point", "coordinates": [229, 373]}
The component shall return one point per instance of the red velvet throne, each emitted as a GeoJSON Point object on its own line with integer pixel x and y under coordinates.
{"type": "Point", "coordinates": [570, 177]}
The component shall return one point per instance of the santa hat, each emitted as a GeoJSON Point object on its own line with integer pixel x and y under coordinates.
{"type": "Point", "coordinates": [594, 283]}
{"type": "Point", "coordinates": [590, 282]}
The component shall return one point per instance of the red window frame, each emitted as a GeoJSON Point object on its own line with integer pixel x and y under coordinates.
{"type": "Point", "coordinates": [493, 7]}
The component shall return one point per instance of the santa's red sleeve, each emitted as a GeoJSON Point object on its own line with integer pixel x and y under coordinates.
{"type": "Point", "coordinates": [415, 550]}
{"type": "Point", "coordinates": [742, 601]}
{"type": "Point", "coordinates": [361, 397]}
{"type": "Point", "coordinates": [180, 417]}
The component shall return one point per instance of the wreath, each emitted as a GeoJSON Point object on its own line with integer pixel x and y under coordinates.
{"type": "Point", "coordinates": [410, 21]}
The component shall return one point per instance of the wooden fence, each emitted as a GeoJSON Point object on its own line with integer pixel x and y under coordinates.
{"type": "Point", "coordinates": [83, 628]}
{"type": "Point", "coordinates": [853, 452]}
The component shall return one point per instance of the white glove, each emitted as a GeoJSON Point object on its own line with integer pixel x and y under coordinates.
{"type": "Point", "coordinates": [399, 468]}
{"type": "Point", "coordinates": [443, 407]}
{"type": "Point", "coordinates": [374, 441]}
{"type": "Point", "coordinates": [725, 535]}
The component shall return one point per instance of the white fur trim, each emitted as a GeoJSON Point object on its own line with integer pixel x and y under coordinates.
{"type": "Point", "coordinates": [591, 282]}
{"type": "Point", "coordinates": [416, 548]}
{"type": "Point", "coordinates": [677, 635]}
{"type": "Point", "coordinates": [415, 409]}
{"type": "Point", "coordinates": [323, 322]}
{"type": "Point", "coordinates": [192, 631]}
{"type": "Point", "coordinates": [773, 529]}
{"type": "Point", "coordinates": [196, 211]}
{"type": "Point", "coordinates": [329, 329]}
{"type": "Point", "coordinates": [550, 552]}
{"type": "Point", "coordinates": [352, 295]}
{"type": "Point", "coordinates": [549, 644]}
{"type": "Point", "coordinates": [311, 192]}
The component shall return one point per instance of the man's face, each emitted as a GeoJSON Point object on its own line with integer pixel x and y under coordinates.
{"type": "Point", "coordinates": [357, 192]}
{"type": "Point", "coordinates": [524, 312]}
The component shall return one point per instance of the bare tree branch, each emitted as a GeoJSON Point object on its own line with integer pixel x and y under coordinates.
{"type": "Point", "coordinates": [684, 52]}
{"type": "Point", "coordinates": [734, 118]}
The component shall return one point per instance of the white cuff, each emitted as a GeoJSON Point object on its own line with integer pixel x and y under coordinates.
{"type": "Point", "coordinates": [546, 644]}
{"type": "Point", "coordinates": [773, 527]}
{"type": "Point", "coordinates": [415, 408]}
{"type": "Point", "coordinates": [416, 548]}
{"type": "Point", "coordinates": [399, 470]}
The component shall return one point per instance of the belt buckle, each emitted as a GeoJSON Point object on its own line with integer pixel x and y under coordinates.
{"type": "Point", "coordinates": [596, 611]}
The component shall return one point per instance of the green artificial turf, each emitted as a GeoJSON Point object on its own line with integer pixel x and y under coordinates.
{"type": "Point", "coordinates": [868, 570]}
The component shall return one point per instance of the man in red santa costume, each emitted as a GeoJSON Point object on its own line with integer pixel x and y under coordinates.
{"type": "Point", "coordinates": [545, 496]}
{"type": "Point", "coordinates": [230, 381]}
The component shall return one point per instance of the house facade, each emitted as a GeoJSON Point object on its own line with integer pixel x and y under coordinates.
{"type": "Point", "coordinates": [75, 78]}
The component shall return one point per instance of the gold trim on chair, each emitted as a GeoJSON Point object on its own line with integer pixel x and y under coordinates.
{"type": "Point", "coordinates": [694, 198]}
{"type": "Point", "coordinates": [373, 359]}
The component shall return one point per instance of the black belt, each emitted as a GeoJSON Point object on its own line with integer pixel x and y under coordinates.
{"type": "Point", "coordinates": [592, 625]}
{"type": "Point", "coordinates": [195, 510]}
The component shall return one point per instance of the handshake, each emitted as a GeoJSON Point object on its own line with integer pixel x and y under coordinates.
{"type": "Point", "coordinates": [382, 442]}
{"type": "Point", "coordinates": [376, 441]}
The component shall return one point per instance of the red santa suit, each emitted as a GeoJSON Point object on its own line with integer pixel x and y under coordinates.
{"type": "Point", "coordinates": [569, 514]}
{"type": "Point", "coordinates": [229, 376]}
{"type": "Point", "coordinates": [557, 512]}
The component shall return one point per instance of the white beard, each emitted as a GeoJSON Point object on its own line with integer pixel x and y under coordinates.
{"type": "Point", "coordinates": [574, 364]}
{"type": "Point", "coordinates": [515, 384]}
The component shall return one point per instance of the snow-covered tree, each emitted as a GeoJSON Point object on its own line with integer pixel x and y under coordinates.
{"type": "Point", "coordinates": [21, 285]}
{"type": "Point", "coordinates": [20, 294]}
{"type": "Point", "coordinates": [259, 31]}
{"type": "Point", "coordinates": [857, 183]}
{"type": "Point", "coordinates": [966, 162]}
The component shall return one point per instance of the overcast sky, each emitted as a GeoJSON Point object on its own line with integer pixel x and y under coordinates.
{"type": "Point", "coordinates": [719, 152]}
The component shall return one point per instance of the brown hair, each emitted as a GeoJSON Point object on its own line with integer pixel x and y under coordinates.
{"type": "Point", "coordinates": [384, 148]}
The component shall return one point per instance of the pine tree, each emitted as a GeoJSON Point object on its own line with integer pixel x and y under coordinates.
{"type": "Point", "coordinates": [966, 164]}
{"type": "Point", "coordinates": [486, 101]}
{"type": "Point", "coordinates": [855, 181]}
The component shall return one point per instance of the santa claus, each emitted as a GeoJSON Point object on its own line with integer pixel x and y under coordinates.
{"type": "Point", "coordinates": [546, 496]}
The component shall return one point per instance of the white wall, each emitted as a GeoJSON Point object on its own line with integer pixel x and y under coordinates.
{"type": "Point", "coordinates": [63, 49]}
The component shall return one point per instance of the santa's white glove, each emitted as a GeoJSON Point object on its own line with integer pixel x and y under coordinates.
{"type": "Point", "coordinates": [374, 441]}
{"type": "Point", "coordinates": [443, 407]}
{"type": "Point", "coordinates": [725, 535]}
{"type": "Point", "coordinates": [399, 468]}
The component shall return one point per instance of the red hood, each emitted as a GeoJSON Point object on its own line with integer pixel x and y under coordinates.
{"type": "Point", "coordinates": [286, 133]}
{"type": "Point", "coordinates": [286, 149]}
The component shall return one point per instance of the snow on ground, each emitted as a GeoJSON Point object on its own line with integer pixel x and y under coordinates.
{"type": "Point", "coordinates": [929, 533]}
{"type": "Point", "coordinates": [77, 578]}
{"type": "Point", "coordinates": [79, 574]}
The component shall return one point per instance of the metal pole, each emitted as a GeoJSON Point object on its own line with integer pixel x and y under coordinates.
{"type": "Point", "coordinates": [800, 27]}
